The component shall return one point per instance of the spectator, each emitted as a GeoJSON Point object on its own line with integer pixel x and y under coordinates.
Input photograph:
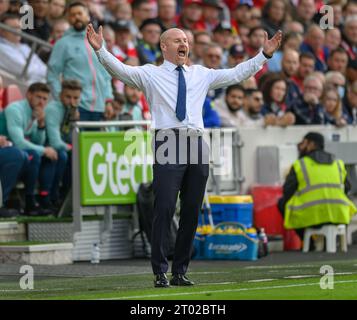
{"type": "Point", "coordinates": [304, 13]}
{"type": "Point", "coordinates": [349, 9]}
{"type": "Point", "coordinates": [4, 6]}
{"type": "Point", "coordinates": [338, 60]}
{"type": "Point", "coordinates": [241, 14]}
{"type": "Point", "coordinates": [237, 55]}
{"type": "Point", "coordinates": [337, 14]}
{"type": "Point", "coordinates": [228, 105]}
{"type": "Point", "coordinates": [290, 66]}
{"type": "Point", "coordinates": [190, 40]}
{"type": "Point", "coordinates": [25, 124]}
{"type": "Point", "coordinates": [250, 115]}
{"type": "Point", "coordinates": [350, 104]}
{"type": "Point", "coordinates": [274, 92]}
{"type": "Point", "coordinates": [332, 105]}
{"type": "Point", "coordinates": [118, 103]}
{"type": "Point", "coordinates": [15, 6]}
{"type": "Point", "coordinates": [255, 17]}
{"type": "Point", "coordinates": [141, 10]}
{"type": "Point", "coordinates": [273, 16]}
{"type": "Point", "coordinates": [131, 108]}
{"type": "Point", "coordinates": [337, 80]}
{"type": "Point", "coordinates": [148, 47]}
{"type": "Point", "coordinates": [14, 54]}
{"type": "Point", "coordinates": [11, 163]}
{"type": "Point", "coordinates": [322, 184]}
{"type": "Point", "coordinates": [59, 27]}
{"type": "Point", "coordinates": [212, 58]}
{"type": "Point", "coordinates": [110, 11]}
{"type": "Point", "coordinates": [308, 110]}
{"type": "Point", "coordinates": [211, 14]}
{"type": "Point", "coordinates": [306, 67]}
{"type": "Point", "coordinates": [244, 35]}
{"type": "Point", "coordinates": [250, 83]}
{"type": "Point", "coordinates": [73, 58]}
{"type": "Point", "coordinates": [201, 40]}
{"type": "Point", "coordinates": [291, 40]}
{"type": "Point", "coordinates": [351, 71]}
{"type": "Point", "coordinates": [42, 28]}
{"type": "Point", "coordinates": [222, 35]}
{"type": "Point", "coordinates": [349, 36]}
{"type": "Point", "coordinates": [60, 116]}
{"type": "Point", "coordinates": [294, 26]}
{"type": "Point", "coordinates": [190, 17]}
{"type": "Point", "coordinates": [167, 13]}
{"type": "Point", "coordinates": [56, 11]}
{"type": "Point", "coordinates": [314, 43]}
{"type": "Point", "coordinates": [333, 39]}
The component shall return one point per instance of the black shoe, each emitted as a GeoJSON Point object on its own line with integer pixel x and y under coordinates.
{"type": "Point", "coordinates": [8, 213]}
{"type": "Point", "coordinates": [161, 281]}
{"type": "Point", "coordinates": [35, 210]}
{"type": "Point", "coordinates": [180, 280]}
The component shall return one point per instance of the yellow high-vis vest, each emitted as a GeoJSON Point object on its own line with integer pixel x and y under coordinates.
{"type": "Point", "coordinates": [320, 197]}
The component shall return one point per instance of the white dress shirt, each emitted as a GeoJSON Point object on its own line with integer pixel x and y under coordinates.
{"type": "Point", "coordinates": [160, 86]}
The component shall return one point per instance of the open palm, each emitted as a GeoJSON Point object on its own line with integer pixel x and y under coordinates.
{"type": "Point", "coordinates": [95, 39]}
{"type": "Point", "coordinates": [271, 45]}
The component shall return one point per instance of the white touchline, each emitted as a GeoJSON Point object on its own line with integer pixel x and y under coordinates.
{"type": "Point", "coordinates": [221, 291]}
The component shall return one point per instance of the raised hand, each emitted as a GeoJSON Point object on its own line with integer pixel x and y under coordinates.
{"type": "Point", "coordinates": [270, 46]}
{"type": "Point", "coordinates": [95, 39]}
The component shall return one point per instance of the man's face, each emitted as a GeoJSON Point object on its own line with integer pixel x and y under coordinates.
{"type": "Point", "coordinates": [167, 9]}
{"type": "Point", "coordinates": [175, 47]}
{"type": "Point", "coordinates": [143, 12]}
{"type": "Point", "coordinates": [132, 95]}
{"type": "Point", "coordinates": [351, 32]}
{"type": "Point", "coordinates": [200, 44]}
{"type": "Point", "coordinates": [255, 102]}
{"type": "Point", "coordinates": [224, 38]}
{"type": "Point", "coordinates": [290, 63]}
{"type": "Point", "coordinates": [40, 8]}
{"type": "Point", "coordinates": [192, 12]}
{"type": "Point", "coordinates": [56, 8]}
{"type": "Point", "coordinates": [306, 67]}
{"type": "Point", "coordinates": [210, 13]}
{"type": "Point", "coordinates": [338, 62]}
{"type": "Point", "coordinates": [213, 57]}
{"type": "Point", "coordinates": [306, 9]}
{"type": "Point", "coordinates": [59, 29]}
{"type": "Point", "coordinates": [70, 98]}
{"type": "Point", "coordinates": [313, 91]}
{"type": "Point", "coordinates": [9, 36]}
{"type": "Point", "coordinates": [37, 100]}
{"type": "Point", "coordinates": [303, 148]}
{"type": "Point", "coordinates": [256, 40]}
{"type": "Point", "coordinates": [316, 39]}
{"type": "Point", "coordinates": [352, 96]}
{"type": "Point", "coordinates": [333, 38]}
{"type": "Point", "coordinates": [236, 59]}
{"type": "Point", "coordinates": [242, 14]}
{"type": "Point", "coordinates": [234, 99]}
{"type": "Point", "coordinates": [4, 6]}
{"type": "Point", "coordinates": [122, 37]}
{"type": "Point", "coordinates": [151, 34]}
{"type": "Point", "coordinates": [78, 18]}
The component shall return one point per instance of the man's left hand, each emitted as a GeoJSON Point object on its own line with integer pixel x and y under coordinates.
{"type": "Point", "coordinates": [270, 46]}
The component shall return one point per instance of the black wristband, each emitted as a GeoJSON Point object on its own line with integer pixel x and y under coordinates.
{"type": "Point", "coordinates": [266, 56]}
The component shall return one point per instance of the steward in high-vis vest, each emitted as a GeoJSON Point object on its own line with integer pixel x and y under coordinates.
{"type": "Point", "coordinates": [314, 192]}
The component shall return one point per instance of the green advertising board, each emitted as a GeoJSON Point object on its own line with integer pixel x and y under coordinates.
{"type": "Point", "coordinates": [112, 166]}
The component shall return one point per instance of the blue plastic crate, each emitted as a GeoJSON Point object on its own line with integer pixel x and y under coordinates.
{"type": "Point", "coordinates": [231, 212]}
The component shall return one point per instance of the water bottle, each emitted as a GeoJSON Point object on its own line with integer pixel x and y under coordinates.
{"type": "Point", "coordinates": [95, 254]}
{"type": "Point", "coordinates": [263, 243]}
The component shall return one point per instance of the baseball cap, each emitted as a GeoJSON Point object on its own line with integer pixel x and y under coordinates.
{"type": "Point", "coordinates": [224, 25]}
{"type": "Point", "coordinates": [236, 50]}
{"type": "Point", "coordinates": [213, 3]}
{"type": "Point", "coordinates": [188, 2]}
{"type": "Point", "coordinates": [248, 3]}
{"type": "Point", "coordinates": [120, 25]}
{"type": "Point", "coordinates": [151, 21]}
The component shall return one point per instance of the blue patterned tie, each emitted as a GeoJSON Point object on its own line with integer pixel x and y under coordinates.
{"type": "Point", "coordinates": [181, 95]}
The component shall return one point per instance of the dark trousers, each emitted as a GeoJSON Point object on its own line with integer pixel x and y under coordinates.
{"type": "Point", "coordinates": [187, 178]}
{"type": "Point", "coordinates": [11, 163]}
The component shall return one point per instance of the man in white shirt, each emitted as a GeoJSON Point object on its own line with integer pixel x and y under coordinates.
{"type": "Point", "coordinates": [14, 54]}
{"type": "Point", "coordinates": [175, 93]}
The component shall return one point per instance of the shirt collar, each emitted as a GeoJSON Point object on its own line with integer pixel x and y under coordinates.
{"type": "Point", "coordinates": [171, 66]}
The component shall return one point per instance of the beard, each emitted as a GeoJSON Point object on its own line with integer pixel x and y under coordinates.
{"type": "Point", "coordinates": [79, 26]}
{"type": "Point", "coordinates": [233, 109]}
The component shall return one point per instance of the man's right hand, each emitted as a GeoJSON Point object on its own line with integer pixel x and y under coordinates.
{"type": "Point", "coordinates": [50, 153]}
{"type": "Point", "coordinates": [95, 39]}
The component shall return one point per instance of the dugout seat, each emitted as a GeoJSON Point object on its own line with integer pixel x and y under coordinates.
{"type": "Point", "coordinates": [12, 93]}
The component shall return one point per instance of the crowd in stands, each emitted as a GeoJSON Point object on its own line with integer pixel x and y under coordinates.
{"type": "Point", "coordinates": [312, 79]}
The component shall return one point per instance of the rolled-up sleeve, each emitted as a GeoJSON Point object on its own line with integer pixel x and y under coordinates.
{"type": "Point", "coordinates": [133, 76]}
{"type": "Point", "coordinates": [226, 77]}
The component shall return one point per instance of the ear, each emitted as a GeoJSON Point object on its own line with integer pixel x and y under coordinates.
{"type": "Point", "coordinates": [163, 46]}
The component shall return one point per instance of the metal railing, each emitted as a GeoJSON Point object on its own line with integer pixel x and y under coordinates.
{"type": "Point", "coordinates": [35, 43]}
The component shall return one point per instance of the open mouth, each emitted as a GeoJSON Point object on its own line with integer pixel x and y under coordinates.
{"type": "Point", "coordinates": [181, 53]}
